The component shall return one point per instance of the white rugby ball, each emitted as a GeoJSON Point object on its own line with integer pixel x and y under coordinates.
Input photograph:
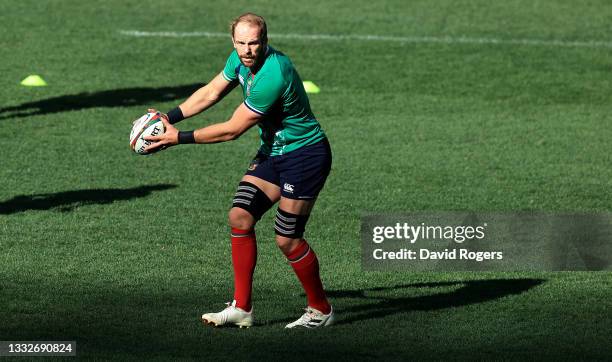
{"type": "Point", "coordinates": [148, 125]}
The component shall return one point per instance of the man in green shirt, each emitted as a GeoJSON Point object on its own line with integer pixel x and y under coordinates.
{"type": "Point", "coordinates": [291, 166]}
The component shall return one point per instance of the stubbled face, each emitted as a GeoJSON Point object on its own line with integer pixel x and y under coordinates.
{"type": "Point", "coordinates": [247, 43]}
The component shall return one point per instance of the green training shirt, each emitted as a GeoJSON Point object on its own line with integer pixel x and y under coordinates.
{"type": "Point", "coordinates": [276, 92]}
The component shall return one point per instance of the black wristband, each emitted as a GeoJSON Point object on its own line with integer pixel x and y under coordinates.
{"type": "Point", "coordinates": [175, 115]}
{"type": "Point", "coordinates": [185, 137]}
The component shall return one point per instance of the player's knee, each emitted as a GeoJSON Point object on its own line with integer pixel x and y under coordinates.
{"type": "Point", "coordinates": [249, 200]}
{"type": "Point", "coordinates": [241, 219]}
{"type": "Point", "coordinates": [287, 245]}
{"type": "Point", "coordinates": [289, 229]}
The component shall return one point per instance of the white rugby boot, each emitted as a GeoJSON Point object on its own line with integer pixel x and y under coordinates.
{"type": "Point", "coordinates": [231, 315]}
{"type": "Point", "coordinates": [313, 319]}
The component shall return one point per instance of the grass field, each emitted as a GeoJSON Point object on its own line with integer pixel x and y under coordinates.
{"type": "Point", "coordinates": [465, 105]}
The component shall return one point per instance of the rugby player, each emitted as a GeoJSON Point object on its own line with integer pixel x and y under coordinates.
{"type": "Point", "coordinates": [291, 166]}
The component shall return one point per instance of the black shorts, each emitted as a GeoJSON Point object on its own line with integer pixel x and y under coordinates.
{"type": "Point", "coordinates": [300, 174]}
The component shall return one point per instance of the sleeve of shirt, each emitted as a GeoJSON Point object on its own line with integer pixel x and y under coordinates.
{"type": "Point", "coordinates": [265, 93]}
{"type": "Point", "coordinates": [232, 65]}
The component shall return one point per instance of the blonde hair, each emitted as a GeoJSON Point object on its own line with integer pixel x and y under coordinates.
{"type": "Point", "coordinates": [252, 19]}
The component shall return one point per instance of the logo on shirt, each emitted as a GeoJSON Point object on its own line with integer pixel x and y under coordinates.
{"type": "Point", "coordinates": [288, 188]}
{"type": "Point", "coordinates": [248, 85]}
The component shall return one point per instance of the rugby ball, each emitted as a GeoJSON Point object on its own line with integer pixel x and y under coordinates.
{"type": "Point", "coordinates": [148, 125]}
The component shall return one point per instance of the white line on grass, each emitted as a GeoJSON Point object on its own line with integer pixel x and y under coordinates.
{"type": "Point", "coordinates": [399, 39]}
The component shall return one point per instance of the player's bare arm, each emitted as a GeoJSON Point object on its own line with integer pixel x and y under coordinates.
{"type": "Point", "coordinates": [242, 119]}
{"type": "Point", "coordinates": [207, 96]}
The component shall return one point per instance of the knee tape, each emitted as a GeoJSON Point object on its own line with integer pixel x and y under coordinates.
{"type": "Point", "coordinates": [250, 198]}
{"type": "Point", "coordinates": [290, 225]}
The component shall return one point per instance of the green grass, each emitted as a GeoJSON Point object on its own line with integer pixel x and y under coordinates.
{"type": "Point", "coordinates": [123, 253]}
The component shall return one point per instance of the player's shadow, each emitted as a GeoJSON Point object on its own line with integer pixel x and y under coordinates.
{"type": "Point", "coordinates": [69, 200]}
{"type": "Point", "coordinates": [125, 97]}
{"type": "Point", "coordinates": [380, 302]}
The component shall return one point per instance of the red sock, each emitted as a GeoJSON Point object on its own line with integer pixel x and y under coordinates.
{"type": "Point", "coordinates": [304, 262]}
{"type": "Point", "coordinates": [244, 258]}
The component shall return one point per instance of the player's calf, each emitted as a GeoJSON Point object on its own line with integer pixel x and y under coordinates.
{"type": "Point", "coordinates": [289, 231]}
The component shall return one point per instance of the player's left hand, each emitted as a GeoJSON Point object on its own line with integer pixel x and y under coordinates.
{"type": "Point", "coordinates": [167, 139]}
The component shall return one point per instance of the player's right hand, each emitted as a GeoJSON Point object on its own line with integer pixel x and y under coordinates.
{"type": "Point", "coordinates": [167, 139]}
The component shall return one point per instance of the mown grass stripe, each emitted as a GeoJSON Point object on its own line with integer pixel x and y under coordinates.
{"type": "Point", "coordinates": [385, 38]}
